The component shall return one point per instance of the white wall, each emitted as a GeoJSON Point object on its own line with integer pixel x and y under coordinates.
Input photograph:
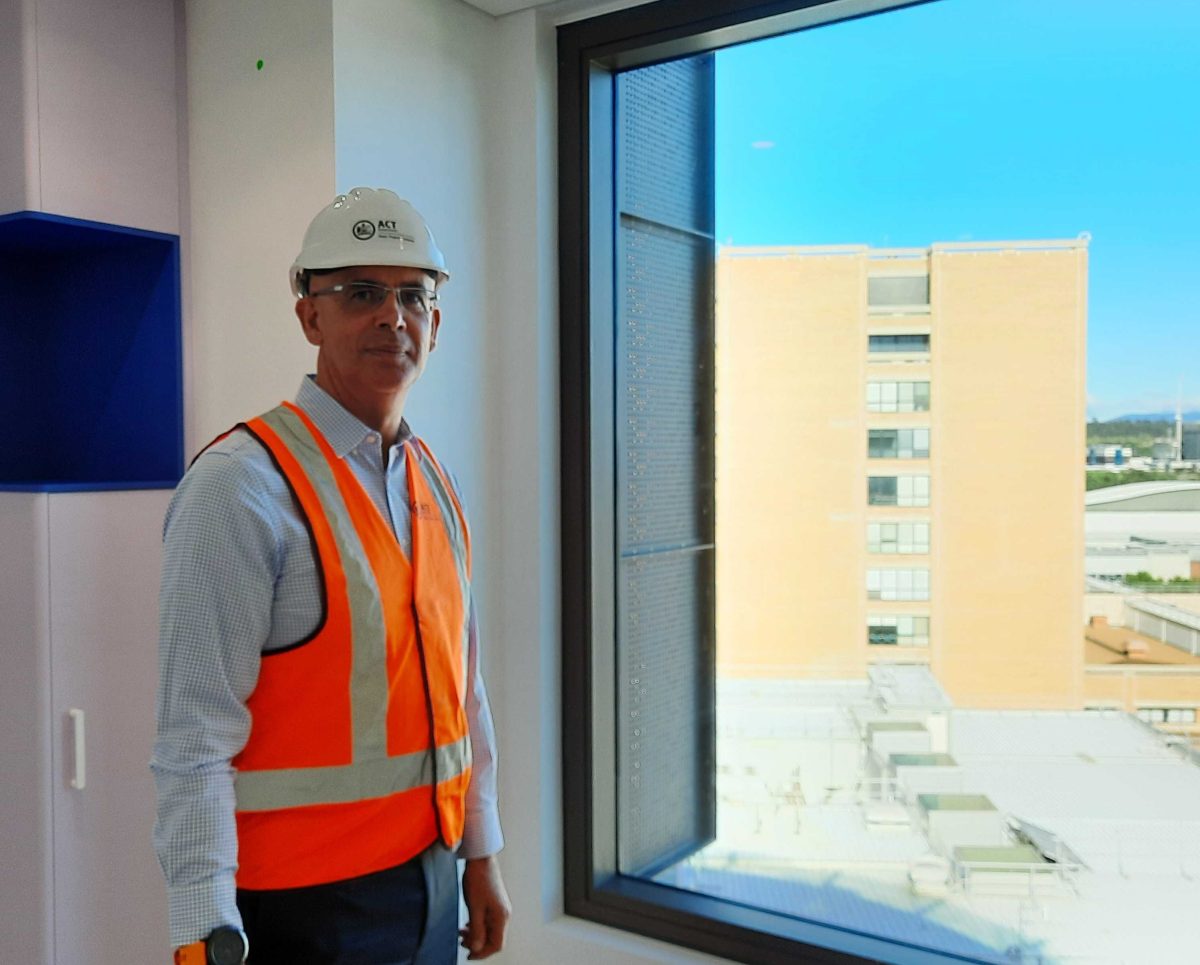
{"type": "Point", "coordinates": [455, 110]}
{"type": "Point", "coordinates": [1104, 526]}
{"type": "Point", "coordinates": [18, 106]}
{"type": "Point", "coordinates": [260, 164]}
{"type": "Point", "coordinates": [1163, 566]}
{"type": "Point", "coordinates": [87, 94]}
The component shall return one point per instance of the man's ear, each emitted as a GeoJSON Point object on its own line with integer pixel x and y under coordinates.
{"type": "Point", "coordinates": [435, 322]}
{"type": "Point", "coordinates": [306, 311]}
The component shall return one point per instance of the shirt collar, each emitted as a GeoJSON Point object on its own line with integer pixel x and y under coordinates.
{"type": "Point", "coordinates": [344, 431]}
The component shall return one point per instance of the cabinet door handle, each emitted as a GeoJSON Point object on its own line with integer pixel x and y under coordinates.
{"type": "Point", "coordinates": [79, 780]}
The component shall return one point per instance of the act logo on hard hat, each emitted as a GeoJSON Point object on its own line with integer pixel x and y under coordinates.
{"type": "Point", "coordinates": [388, 230]}
{"type": "Point", "coordinates": [364, 230]}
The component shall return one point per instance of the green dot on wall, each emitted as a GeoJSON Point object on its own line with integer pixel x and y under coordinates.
{"type": "Point", "coordinates": [259, 65]}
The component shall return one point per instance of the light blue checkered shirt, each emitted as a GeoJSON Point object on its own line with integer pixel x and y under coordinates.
{"type": "Point", "coordinates": [239, 578]}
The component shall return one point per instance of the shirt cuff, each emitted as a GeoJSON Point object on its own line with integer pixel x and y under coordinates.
{"type": "Point", "coordinates": [481, 835]}
{"type": "Point", "coordinates": [195, 910]}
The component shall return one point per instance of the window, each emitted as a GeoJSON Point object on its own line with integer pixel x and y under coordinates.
{"type": "Point", "coordinates": [1167, 715]}
{"type": "Point", "coordinates": [898, 537]}
{"type": "Point", "coordinates": [891, 344]}
{"type": "Point", "coordinates": [897, 396]}
{"type": "Point", "coordinates": [638, 560]}
{"type": "Point", "coordinates": [898, 490]}
{"type": "Point", "coordinates": [898, 443]}
{"type": "Point", "coordinates": [898, 292]}
{"type": "Point", "coordinates": [883, 491]}
{"type": "Point", "coordinates": [898, 631]}
{"type": "Point", "coordinates": [897, 584]}
{"type": "Point", "coordinates": [662, 310]}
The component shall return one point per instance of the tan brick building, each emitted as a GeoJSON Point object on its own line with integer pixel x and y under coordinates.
{"type": "Point", "coordinates": [900, 442]}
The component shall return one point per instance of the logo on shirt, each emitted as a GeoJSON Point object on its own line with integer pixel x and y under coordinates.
{"type": "Point", "coordinates": [425, 511]}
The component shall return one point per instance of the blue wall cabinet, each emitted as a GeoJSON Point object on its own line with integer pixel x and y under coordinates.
{"type": "Point", "coordinates": [91, 382]}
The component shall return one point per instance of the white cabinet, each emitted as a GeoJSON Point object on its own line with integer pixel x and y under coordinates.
{"type": "Point", "coordinates": [79, 882]}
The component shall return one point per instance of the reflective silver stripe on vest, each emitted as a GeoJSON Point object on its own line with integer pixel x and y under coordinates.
{"type": "Point", "coordinates": [448, 507]}
{"type": "Point", "coordinates": [372, 769]}
{"type": "Point", "coordinates": [299, 786]}
{"type": "Point", "coordinates": [368, 676]}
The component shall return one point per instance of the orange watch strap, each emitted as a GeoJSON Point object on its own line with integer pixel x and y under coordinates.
{"type": "Point", "coordinates": [193, 954]}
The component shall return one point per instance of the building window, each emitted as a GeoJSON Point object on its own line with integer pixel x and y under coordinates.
{"type": "Point", "coordinates": [898, 584]}
{"type": "Point", "coordinates": [1167, 715]}
{"type": "Point", "coordinates": [894, 344]}
{"type": "Point", "coordinates": [898, 537]}
{"type": "Point", "coordinates": [898, 443]}
{"type": "Point", "coordinates": [898, 490]}
{"type": "Point", "coordinates": [898, 631]}
{"type": "Point", "coordinates": [898, 293]}
{"type": "Point", "coordinates": [897, 396]}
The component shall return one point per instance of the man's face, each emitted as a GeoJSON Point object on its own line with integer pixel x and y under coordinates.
{"type": "Point", "coordinates": [368, 351]}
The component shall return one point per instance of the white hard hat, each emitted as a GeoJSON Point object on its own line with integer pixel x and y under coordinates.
{"type": "Point", "coordinates": [367, 226]}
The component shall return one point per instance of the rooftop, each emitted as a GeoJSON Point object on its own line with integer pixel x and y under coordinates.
{"type": "Point", "coordinates": [1105, 644]}
{"type": "Point", "coordinates": [784, 251]}
{"type": "Point", "coordinates": [1101, 859]}
{"type": "Point", "coordinates": [1163, 494]}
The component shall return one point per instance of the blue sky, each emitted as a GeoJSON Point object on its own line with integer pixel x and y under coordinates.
{"type": "Point", "coordinates": [986, 120]}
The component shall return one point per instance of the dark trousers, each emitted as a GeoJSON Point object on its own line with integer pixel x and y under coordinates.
{"type": "Point", "coordinates": [407, 915]}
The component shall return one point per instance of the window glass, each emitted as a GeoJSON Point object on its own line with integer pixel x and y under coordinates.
{"type": "Point", "coordinates": [882, 444]}
{"type": "Point", "coordinates": [898, 343]}
{"type": "Point", "coordinates": [907, 537]}
{"type": "Point", "coordinates": [898, 292]}
{"type": "Point", "coordinates": [898, 443]}
{"type": "Point", "coordinates": [897, 396]}
{"type": "Point", "coordinates": [897, 584]}
{"type": "Point", "coordinates": [899, 630]}
{"type": "Point", "coordinates": [882, 490]}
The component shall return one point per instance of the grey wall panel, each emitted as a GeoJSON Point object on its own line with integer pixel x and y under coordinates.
{"type": "Point", "coordinates": [26, 868]}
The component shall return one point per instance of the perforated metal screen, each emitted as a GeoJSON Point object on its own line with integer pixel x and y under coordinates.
{"type": "Point", "coordinates": [664, 459]}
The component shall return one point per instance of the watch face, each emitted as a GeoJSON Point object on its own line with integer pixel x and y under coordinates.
{"type": "Point", "coordinates": [226, 946]}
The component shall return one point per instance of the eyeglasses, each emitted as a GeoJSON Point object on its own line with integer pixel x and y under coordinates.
{"type": "Point", "coordinates": [361, 297]}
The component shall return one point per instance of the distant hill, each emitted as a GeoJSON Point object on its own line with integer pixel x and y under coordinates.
{"type": "Point", "coordinates": [1192, 416]}
{"type": "Point", "coordinates": [1136, 433]}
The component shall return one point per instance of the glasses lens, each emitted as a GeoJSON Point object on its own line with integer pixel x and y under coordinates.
{"type": "Point", "coordinates": [414, 301]}
{"type": "Point", "coordinates": [360, 297]}
{"type": "Point", "coordinates": [364, 296]}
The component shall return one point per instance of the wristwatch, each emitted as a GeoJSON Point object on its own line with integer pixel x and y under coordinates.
{"type": "Point", "coordinates": [223, 946]}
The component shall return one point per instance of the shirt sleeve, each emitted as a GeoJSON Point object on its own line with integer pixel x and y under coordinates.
{"type": "Point", "coordinates": [482, 835]}
{"type": "Point", "coordinates": [220, 564]}
{"type": "Point", "coordinates": [481, 832]}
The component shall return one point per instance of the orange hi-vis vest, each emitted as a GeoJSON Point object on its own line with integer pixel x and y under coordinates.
{"type": "Point", "coordinates": [359, 755]}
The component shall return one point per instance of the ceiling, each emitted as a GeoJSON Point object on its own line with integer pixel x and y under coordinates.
{"type": "Point", "coordinates": [498, 8]}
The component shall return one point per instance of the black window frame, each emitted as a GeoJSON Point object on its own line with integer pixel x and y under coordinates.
{"type": "Point", "coordinates": [590, 53]}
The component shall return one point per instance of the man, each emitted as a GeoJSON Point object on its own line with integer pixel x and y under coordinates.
{"type": "Point", "coordinates": [325, 746]}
